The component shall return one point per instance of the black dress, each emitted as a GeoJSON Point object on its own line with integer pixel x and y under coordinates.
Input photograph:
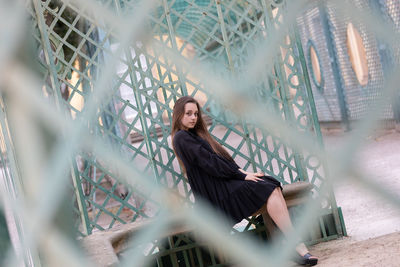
{"type": "Point", "coordinates": [218, 180]}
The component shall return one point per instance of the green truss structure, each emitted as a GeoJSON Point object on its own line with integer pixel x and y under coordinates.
{"type": "Point", "coordinates": [75, 45]}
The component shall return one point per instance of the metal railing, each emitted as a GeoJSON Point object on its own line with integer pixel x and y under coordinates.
{"type": "Point", "coordinates": [110, 69]}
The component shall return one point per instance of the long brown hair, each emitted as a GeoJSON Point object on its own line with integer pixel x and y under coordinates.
{"type": "Point", "coordinates": [200, 128]}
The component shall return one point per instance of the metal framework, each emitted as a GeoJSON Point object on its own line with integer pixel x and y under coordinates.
{"type": "Point", "coordinates": [342, 98]}
{"type": "Point", "coordinates": [146, 83]}
{"type": "Point", "coordinates": [151, 72]}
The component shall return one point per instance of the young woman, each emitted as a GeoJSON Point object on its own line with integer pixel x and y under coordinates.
{"type": "Point", "coordinates": [215, 177]}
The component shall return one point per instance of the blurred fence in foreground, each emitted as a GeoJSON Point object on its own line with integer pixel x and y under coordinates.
{"type": "Point", "coordinates": [87, 93]}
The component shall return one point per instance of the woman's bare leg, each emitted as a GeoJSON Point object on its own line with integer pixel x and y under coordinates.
{"type": "Point", "coordinates": [277, 210]}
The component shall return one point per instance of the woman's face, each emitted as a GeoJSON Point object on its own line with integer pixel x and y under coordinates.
{"type": "Point", "coordinates": [189, 118]}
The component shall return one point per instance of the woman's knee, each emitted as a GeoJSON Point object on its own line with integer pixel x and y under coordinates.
{"type": "Point", "coordinates": [274, 195]}
{"type": "Point", "coordinates": [276, 192]}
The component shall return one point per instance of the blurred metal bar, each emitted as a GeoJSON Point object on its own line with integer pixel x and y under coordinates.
{"type": "Point", "coordinates": [335, 66]}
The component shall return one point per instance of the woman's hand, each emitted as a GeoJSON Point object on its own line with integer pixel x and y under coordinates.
{"type": "Point", "coordinates": [252, 177]}
{"type": "Point", "coordinates": [256, 174]}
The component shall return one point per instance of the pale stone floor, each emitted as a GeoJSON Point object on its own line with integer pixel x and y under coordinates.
{"type": "Point", "coordinates": [373, 224]}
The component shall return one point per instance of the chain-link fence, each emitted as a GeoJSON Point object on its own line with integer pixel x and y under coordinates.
{"type": "Point", "coordinates": [89, 146]}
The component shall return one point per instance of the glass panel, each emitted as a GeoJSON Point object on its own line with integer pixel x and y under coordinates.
{"type": "Point", "coordinates": [316, 69]}
{"type": "Point", "coordinates": [357, 54]}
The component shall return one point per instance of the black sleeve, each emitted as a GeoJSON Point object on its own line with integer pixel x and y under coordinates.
{"type": "Point", "coordinates": [192, 152]}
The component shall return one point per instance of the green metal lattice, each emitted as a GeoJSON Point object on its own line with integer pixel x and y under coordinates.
{"type": "Point", "coordinates": [101, 110]}
{"type": "Point", "coordinates": [136, 118]}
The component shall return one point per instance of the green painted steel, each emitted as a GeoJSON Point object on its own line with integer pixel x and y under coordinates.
{"type": "Point", "coordinates": [136, 117]}
{"type": "Point", "coordinates": [88, 145]}
{"type": "Point", "coordinates": [343, 98]}
{"type": "Point", "coordinates": [335, 67]}
{"type": "Point", "coordinates": [129, 107]}
{"type": "Point", "coordinates": [386, 52]}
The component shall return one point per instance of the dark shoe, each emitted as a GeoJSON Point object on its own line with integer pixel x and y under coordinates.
{"type": "Point", "coordinates": [305, 260]}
